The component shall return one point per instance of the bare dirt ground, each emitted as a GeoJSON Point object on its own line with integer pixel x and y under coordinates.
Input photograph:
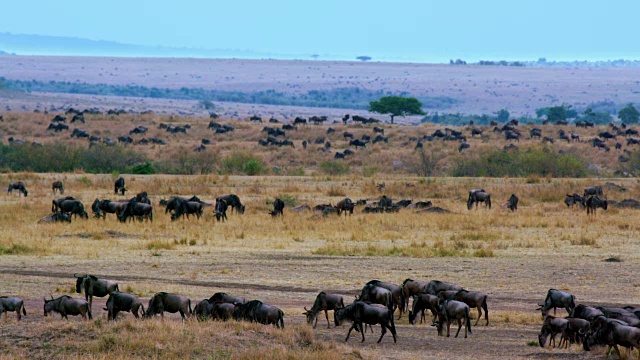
{"type": "Point", "coordinates": [480, 89]}
{"type": "Point", "coordinates": [286, 262]}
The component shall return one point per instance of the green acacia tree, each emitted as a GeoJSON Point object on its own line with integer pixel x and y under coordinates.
{"type": "Point", "coordinates": [396, 106]}
{"type": "Point", "coordinates": [629, 114]}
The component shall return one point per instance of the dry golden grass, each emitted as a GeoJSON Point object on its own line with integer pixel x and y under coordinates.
{"type": "Point", "coordinates": [514, 257]}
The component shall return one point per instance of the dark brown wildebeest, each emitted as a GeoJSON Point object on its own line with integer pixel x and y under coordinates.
{"type": "Point", "coordinates": [612, 332]}
{"type": "Point", "coordinates": [257, 311]}
{"type": "Point", "coordinates": [557, 299]}
{"type": "Point", "coordinates": [203, 310]}
{"type": "Point", "coordinates": [73, 207]}
{"type": "Point", "coordinates": [221, 210]}
{"type": "Point", "coordinates": [423, 204]}
{"type": "Point", "coordinates": [136, 210]}
{"type": "Point", "coordinates": [478, 197]}
{"type": "Point", "coordinates": [57, 186]}
{"type": "Point", "coordinates": [55, 203]}
{"type": "Point", "coordinates": [55, 217]}
{"type": "Point", "coordinates": [595, 202]}
{"type": "Point", "coordinates": [223, 310]}
{"type": "Point", "coordinates": [9, 304]}
{"type": "Point", "coordinates": [422, 302]}
{"type": "Point", "coordinates": [360, 313]}
{"type": "Point", "coordinates": [66, 305]}
{"type": "Point", "coordinates": [92, 286]}
{"type": "Point", "coordinates": [345, 205]}
{"type": "Point", "coordinates": [121, 301]}
{"type": "Point", "coordinates": [324, 302]}
{"type": "Point", "coordinates": [570, 200]}
{"type": "Point", "coordinates": [19, 185]}
{"type": "Point", "coordinates": [330, 210]}
{"type": "Point", "coordinates": [112, 207]}
{"type": "Point", "coordinates": [475, 132]}
{"type": "Point", "coordinates": [399, 300]}
{"type": "Point", "coordinates": [450, 310]}
{"type": "Point", "coordinates": [512, 203]}
{"type": "Point", "coordinates": [171, 303]}
{"type": "Point", "coordinates": [233, 201]}
{"type": "Point", "coordinates": [377, 295]}
{"type": "Point", "coordinates": [358, 143]}
{"type": "Point", "coordinates": [377, 129]}
{"type": "Point", "coordinates": [278, 208]}
{"type": "Point", "coordinates": [119, 186]}
{"type": "Point", "coordinates": [188, 208]}
{"type": "Point", "coordinates": [226, 298]}
{"type": "Point", "coordinates": [412, 287]}
{"type": "Point", "coordinates": [552, 326]}
{"type": "Point", "coordinates": [593, 190]}
{"type": "Point", "coordinates": [475, 299]}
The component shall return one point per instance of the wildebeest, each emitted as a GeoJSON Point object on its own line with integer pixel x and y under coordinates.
{"type": "Point", "coordinates": [171, 303]}
{"type": "Point", "coordinates": [55, 203]}
{"type": "Point", "coordinates": [55, 217]}
{"type": "Point", "coordinates": [121, 301]}
{"type": "Point", "coordinates": [585, 312]}
{"type": "Point", "coordinates": [112, 207]}
{"type": "Point", "coordinates": [377, 295]}
{"type": "Point", "coordinates": [475, 299]}
{"type": "Point", "coordinates": [188, 208]}
{"type": "Point", "coordinates": [512, 203]}
{"type": "Point", "coordinates": [66, 305]}
{"type": "Point", "coordinates": [593, 190]}
{"type": "Point", "coordinates": [9, 304]}
{"type": "Point", "coordinates": [612, 332]}
{"type": "Point", "coordinates": [57, 127]}
{"type": "Point", "coordinates": [575, 331]}
{"type": "Point", "coordinates": [435, 286]}
{"type": "Point", "coordinates": [233, 201]}
{"type": "Point", "coordinates": [570, 200]}
{"type": "Point", "coordinates": [324, 302]}
{"type": "Point", "coordinates": [223, 311]}
{"type": "Point", "coordinates": [278, 208]}
{"type": "Point", "coordinates": [345, 205]}
{"type": "Point", "coordinates": [360, 313]}
{"type": "Point", "coordinates": [57, 186]}
{"type": "Point", "coordinates": [226, 298]}
{"type": "Point", "coordinates": [136, 210]}
{"type": "Point", "coordinates": [475, 132]}
{"type": "Point", "coordinates": [396, 292]}
{"type": "Point", "coordinates": [412, 287]}
{"type": "Point", "coordinates": [358, 143]}
{"type": "Point", "coordinates": [92, 286]}
{"type": "Point", "coordinates": [450, 310]}
{"type": "Point", "coordinates": [203, 310]}
{"type": "Point", "coordinates": [422, 302]}
{"type": "Point", "coordinates": [463, 145]}
{"type": "Point", "coordinates": [119, 186]}
{"type": "Point", "coordinates": [552, 326]}
{"type": "Point", "coordinates": [512, 135]}
{"type": "Point", "coordinates": [257, 311]}
{"type": "Point", "coordinates": [477, 197]}
{"type": "Point", "coordinates": [557, 299]}
{"type": "Point", "coordinates": [380, 138]}
{"type": "Point", "coordinates": [73, 207]}
{"type": "Point", "coordinates": [19, 186]}
{"type": "Point", "coordinates": [595, 202]}
{"type": "Point", "coordinates": [220, 210]}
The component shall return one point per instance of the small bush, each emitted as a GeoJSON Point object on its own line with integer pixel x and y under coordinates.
{"type": "Point", "coordinates": [143, 169]}
{"type": "Point", "coordinates": [288, 200]}
{"type": "Point", "coordinates": [334, 168]}
{"type": "Point", "coordinates": [242, 164]}
{"type": "Point", "coordinates": [14, 249]}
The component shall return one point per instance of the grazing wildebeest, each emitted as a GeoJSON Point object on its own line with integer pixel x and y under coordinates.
{"type": "Point", "coordinates": [422, 302]}
{"type": "Point", "coordinates": [57, 186]}
{"type": "Point", "coordinates": [136, 210]}
{"type": "Point", "coordinates": [92, 286]}
{"type": "Point", "coordinates": [223, 311]}
{"type": "Point", "coordinates": [575, 331]}
{"type": "Point", "coordinates": [171, 303]}
{"type": "Point", "coordinates": [557, 299]}
{"type": "Point", "coordinates": [112, 207]}
{"type": "Point", "coordinates": [377, 129]}
{"type": "Point", "coordinates": [278, 208]}
{"type": "Point", "coordinates": [535, 132]}
{"type": "Point", "coordinates": [435, 286]}
{"type": "Point", "coordinates": [66, 305]}
{"type": "Point", "coordinates": [385, 201]}
{"type": "Point", "coordinates": [477, 197]}
{"type": "Point", "coordinates": [593, 190]}
{"type": "Point", "coordinates": [595, 202]}
{"type": "Point", "coordinates": [399, 300]}
{"type": "Point", "coordinates": [188, 208]}
{"type": "Point", "coordinates": [18, 186]}
{"type": "Point", "coordinates": [55, 203]}
{"type": "Point", "coordinates": [203, 310]}
{"type": "Point", "coordinates": [73, 207]}
{"type": "Point", "coordinates": [360, 313]}
{"type": "Point", "coordinates": [226, 298]}
{"type": "Point", "coordinates": [345, 205]}
{"type": "Point", "coordinates": [121, 301]}
{"type": "Point", "coordinates": [377, 295]}
{"type": "Point", "coordinates": [55, 217]}
{"type": "Point", "coordinates": [9, 304]}
{"type": "Point", "coordinates": [412, 287]}
{"type": "Point", "coordinates": [612, 332]}
{"type": "Point", "coordinates": [324, 302]}
{"type": "Point", "coordinates": [570, 200]}
{"type": "Point", "coordinates": [257, 311]}
{"type": "Point", "coordinates": [512, 203]}
{"type": "Point", "coordinates": [621, 314]}
{"type": "Point", "coordinates": [423, 204]}
{"type": "Point", "coordinates": [475, 132]}
{"type": "Point", "coordinates": [475, 299]}
{"type": "Point", "coordinates": [552, 326]}
{"type": "Point", "coordinates": [450, 310]}
{"type": "Point", "coordinates": [233, 201]}
{"type": "Point", "coordinates": [221, 210]}
{"type": "Point", "coordinates": [463, 145]}
{"type": "Point", "coordinates": [119, 186]}
{"type": "Point", "coordinates": [358, 143]}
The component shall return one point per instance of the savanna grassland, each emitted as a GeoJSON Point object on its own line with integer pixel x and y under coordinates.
{"type": "Point", "coordinates": [513, 257]}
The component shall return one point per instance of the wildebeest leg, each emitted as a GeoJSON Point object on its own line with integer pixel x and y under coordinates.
{"type": "Point", "coordinates": [448, 328]}
{"type": "Point", "coordinates": [182, 315]}
{"type": "Point", "coordinates": [384, 330]}
{"type": "Point", "coordinates": [460, 327]}
{"type": "Point", "coordinates": [361, 330]}
{"type": "Point", "coordinates": [479, 316]}
{"type": "Point", "coordinates": [353, 326]}
{"type": "Point", "coordinates": [327, 315]}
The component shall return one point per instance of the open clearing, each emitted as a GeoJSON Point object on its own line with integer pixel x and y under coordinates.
{"type": "Point", "coordinates": [514, 257]}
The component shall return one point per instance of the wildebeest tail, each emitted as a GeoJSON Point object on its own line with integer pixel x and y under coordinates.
{"type": "Point", "coordinates": [89, 313]}
{"type": "Point", "coordinates": [467, 319]}
{"type": "Point", "coordinates": [117, 288]}
{"type": "Point", "coordinates": [281, 318]}
{"type": "Point", "coordinates": [142, 308]}
{"type": "Point", "coordinates": [486, 309]}
{"type": "Point", "coordinates": [403, 302]}
{"type": "Point", "coordinates": [190, 311]}
{"type": "Point", "coordinates": [24, 310]}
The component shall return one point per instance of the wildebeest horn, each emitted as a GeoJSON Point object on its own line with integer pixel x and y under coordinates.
{"type": "Point", "coordinates": [305, 308]}
{"type": "Point", "coordinates": [51, 296]}
{"type": "Point", "coordinates": [45, 299]}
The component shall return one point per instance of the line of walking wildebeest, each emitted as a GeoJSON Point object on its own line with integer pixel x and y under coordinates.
{"type": "Point", "coordinates": [140, 208]}
{"type": "Point", "coordinates": [376, 305]}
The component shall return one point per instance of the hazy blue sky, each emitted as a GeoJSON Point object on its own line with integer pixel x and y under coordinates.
{"type": "Point", "coordinates": [413, 29]}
